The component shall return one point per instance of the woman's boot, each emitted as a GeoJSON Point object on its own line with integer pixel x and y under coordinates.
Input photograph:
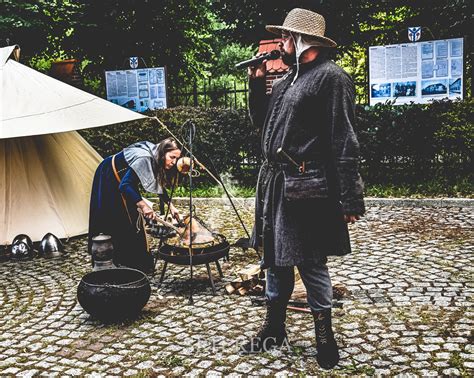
{"type": "Point", "coordinates": [328, 351]}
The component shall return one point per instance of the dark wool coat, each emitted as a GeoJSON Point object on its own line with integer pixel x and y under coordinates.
{"type": "Point", "coordinates": [299, 216]}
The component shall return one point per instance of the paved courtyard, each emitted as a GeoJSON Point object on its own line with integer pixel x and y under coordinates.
{"type": "Point", "coordinates": [410, 308]}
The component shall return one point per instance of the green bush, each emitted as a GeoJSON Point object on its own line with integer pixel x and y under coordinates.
{"type": "Point", "coordinates": [225, 140]}
{"type": "Point", "coordinates": [408, 146]}
{"type": "Point", "coordinates": [416, 144]}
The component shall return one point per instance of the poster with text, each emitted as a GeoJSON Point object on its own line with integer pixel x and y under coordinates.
{"type": "Point", "coordinates": [417, 72]}
{"type": "Point", "coordinates": [137, 89]}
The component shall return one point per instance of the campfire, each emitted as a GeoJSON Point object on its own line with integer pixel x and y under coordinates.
{"type": "Point", "coordinates": [193, 243]}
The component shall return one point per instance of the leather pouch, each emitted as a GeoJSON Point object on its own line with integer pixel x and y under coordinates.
{"type": "Point", "coordinates": [309, 185]}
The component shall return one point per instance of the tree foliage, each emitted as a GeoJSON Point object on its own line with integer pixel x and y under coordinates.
{"type": "Point", "coordinates": [359, 21]}
{"type": "Point", "coordinates": [202, 38]}
{"type": "Point", "coordinates": [175, 34]}
{"type": "Point", "coordinates": [356, 24]}
{"type": "Point", "coordinates": [36, 26]}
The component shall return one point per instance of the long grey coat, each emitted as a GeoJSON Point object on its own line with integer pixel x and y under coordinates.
{"type": "Point", "coordinates": [299, 216]}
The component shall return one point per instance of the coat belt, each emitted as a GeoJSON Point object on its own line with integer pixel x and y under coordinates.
{"type": "Point", "coordinates": [281, 166]}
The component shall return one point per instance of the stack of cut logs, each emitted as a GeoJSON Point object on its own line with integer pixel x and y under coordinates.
{"type": "Point", "coordinates": [251, 281]}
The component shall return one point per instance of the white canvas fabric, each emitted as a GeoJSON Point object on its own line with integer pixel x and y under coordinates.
{"type": "Point", "coordinates": [33, 103]}
{"type": "Point", "coordinates": [5, 53]}
{"type": "Point", "coordinates": [46, 169]}
{"type": "Point", "coordinates": [45, 185]}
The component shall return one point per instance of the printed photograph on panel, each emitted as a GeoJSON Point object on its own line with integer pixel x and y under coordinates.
{"type": "Point", "coordinates": [381, 90]}
{"type": "Point", "coordinates": [455, 86]}
{"type": "Point", "coordinates": [404, 89]}
{"type": "Point", "coordinates": [434, 87]}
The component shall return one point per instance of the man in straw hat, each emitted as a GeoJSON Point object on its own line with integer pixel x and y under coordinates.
{"type": "Point", "coordinates": [309, 187]}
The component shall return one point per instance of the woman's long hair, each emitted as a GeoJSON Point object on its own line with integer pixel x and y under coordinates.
{"type": "Point", "coordinates": [166, 177]}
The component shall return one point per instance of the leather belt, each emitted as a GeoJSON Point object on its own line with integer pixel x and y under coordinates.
{"type": "Point", "coordinates": [285, 166]}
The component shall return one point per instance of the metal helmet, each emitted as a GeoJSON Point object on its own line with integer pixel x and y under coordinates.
{"type": "Point", "coordinates": [22, 247]}
{"type": "Point", "coordinates": [51, 246]}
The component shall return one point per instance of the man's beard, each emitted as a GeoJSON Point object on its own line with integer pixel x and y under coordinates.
{"type": "Point", "coordinates": [288, 59]}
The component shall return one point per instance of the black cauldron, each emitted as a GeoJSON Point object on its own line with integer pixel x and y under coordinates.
{"type": "Point", "coordinates": [114, 293]}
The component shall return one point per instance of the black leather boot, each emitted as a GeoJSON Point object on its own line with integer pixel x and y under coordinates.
{"type": "Point", "coordinates": [328, 351]}
{"type": "Point", "coordinates": [271, 333]}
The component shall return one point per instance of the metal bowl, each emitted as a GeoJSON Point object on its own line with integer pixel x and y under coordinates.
{"type": "Point", "coordinates": [204, 255]}
{"type": "Point", "coordinates": [114, 293]}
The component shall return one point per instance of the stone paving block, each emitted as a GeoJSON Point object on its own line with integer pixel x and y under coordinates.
{"type": "Point", "coordinates": [213, 373]}
{"type": "Point", "coordinates": [27, 373]}
{"type": "Point", "coordinates": [408, 313]}
{"type": "Point", "coordinates": [429, 347]}
{"type": "Point", "coordinates": [74, 372]}
{"type": "Point", "coordinates": [10, 371]}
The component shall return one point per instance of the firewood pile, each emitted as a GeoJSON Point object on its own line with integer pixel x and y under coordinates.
{"type": "Point", "coordinates": [251, 281]}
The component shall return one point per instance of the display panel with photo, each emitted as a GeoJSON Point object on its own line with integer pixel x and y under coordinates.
{"type": "Point", "coordinates": [416, 72]}
{"type": "Point", "coordinates": [455, 87]}
{"type": "Point", "coordinates": [137, 89]}
{"type": "Point", "coordinates": [381, 90]}
{"type": "Point", "coordinates": [434, 87]}
{"type": "Point", "coordinates": [404, 89]}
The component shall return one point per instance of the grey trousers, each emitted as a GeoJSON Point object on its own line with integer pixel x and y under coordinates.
{"type": "Point", "coordinates": [315, 277]}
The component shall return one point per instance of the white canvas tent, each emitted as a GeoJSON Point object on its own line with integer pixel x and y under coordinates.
{"type": "Point", "coordinates": [46, 168]}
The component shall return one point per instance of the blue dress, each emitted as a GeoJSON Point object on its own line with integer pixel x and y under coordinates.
{"type": "Point", "coordinates": [109, 216]}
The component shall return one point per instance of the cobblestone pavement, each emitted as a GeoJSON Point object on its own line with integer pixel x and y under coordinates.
{"type": "Point", "coordinates": [410, 308]}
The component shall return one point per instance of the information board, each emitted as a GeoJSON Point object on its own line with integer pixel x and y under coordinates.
{"type": "Point", "coordinates": [139, 89]}
{"type": "Point", "coordinates": [416, 72]}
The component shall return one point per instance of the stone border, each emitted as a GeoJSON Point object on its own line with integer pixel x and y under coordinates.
{"type": "Point", "coordinates": [370, 201]}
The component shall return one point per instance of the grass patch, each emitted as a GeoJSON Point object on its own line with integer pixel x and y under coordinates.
{"type": "Point", "coordinates": [172, 362]}
{"type": "Point", "coordinates": [207, 191]}
{"type": "Point", "coordinates": [457, 362]}
{"type": "Point", "coordinates": [355, 369]}
{"type": "Point", "coordinates": [297, 350]}
{"type": "Point", "coordinates": [462, 189]}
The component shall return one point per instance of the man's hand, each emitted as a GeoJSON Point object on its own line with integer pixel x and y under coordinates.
{"type": "Point", "coordinates": [257, 71]}
{"type": "Point", "coordinates": [351, 218]}
{"type": "Point", "coordinates": [146, 210]}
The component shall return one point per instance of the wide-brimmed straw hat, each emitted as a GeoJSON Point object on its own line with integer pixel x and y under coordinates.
{"type": "Point", "coordinates": [304, 22]}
